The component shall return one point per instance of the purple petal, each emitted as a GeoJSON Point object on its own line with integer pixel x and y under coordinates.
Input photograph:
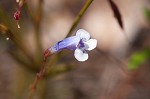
{"type": "Point", "coordinates": [68, 43]}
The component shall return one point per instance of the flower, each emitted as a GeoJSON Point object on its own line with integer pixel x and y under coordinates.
{"type": "Point", "coordinates": [18, 12]}
{"type": "Point", "coordinates": [17, 17]}
{"type": "Point", "coordinates": [81, 43]}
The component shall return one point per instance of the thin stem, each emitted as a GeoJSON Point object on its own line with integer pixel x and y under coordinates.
{"type": "Point", "coordinates": [78, 18]}
{"type": "Point", "coordinates": [39, 76]}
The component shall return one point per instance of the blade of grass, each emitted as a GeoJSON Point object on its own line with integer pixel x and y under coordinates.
{"type": "Point", "coordinates": [118, 17]}
{"type": "Point", "coordinates": [117, 13]}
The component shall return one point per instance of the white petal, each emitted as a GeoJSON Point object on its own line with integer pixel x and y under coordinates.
{"type": "Point", "coordinates": [80, 55]}
{"type": "Point", "coordinates": [84, 35]}
{"type": "Point", "coordinates": [92, 43]}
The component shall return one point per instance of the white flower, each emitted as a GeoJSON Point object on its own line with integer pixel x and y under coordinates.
{"type": "Point", "coordinates": [85, 44]}
{"type": "Point", "coordinates": [81, 43]}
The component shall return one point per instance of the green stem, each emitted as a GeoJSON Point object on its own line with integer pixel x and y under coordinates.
{"type": "Point", "coordinates": [78, 18]}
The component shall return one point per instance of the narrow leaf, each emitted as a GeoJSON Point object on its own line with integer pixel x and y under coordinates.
{"type": "Point", "coordinates": [117, 13]}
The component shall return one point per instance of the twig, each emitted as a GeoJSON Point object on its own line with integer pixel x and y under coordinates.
{"type": "Point", "coordinates": [39, 76]}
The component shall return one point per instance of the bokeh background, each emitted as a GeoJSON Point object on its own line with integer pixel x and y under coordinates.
{"type": "Point", "coordinates": [118, 69]}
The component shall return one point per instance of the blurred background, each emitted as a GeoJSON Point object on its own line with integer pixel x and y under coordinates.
{"type": "Point", "coordinates": [118, 69]}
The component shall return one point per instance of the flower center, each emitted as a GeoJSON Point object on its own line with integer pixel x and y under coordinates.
{"type": "Point", "coordinates": [81, 45]}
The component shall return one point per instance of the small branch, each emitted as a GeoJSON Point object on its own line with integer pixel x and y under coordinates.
{"type": "Point", "coordinates": [38, 77]}
{"type": "Point", "coordinates": [78, 18]}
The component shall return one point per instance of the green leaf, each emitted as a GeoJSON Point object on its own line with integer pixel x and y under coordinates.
{"type": "Point", "coordinates": [138, 58]}
{"type": "Point", "coordinates": [147, 13]}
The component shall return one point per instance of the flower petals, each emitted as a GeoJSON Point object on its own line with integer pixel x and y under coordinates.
{"type": "Point", "coordinates": [68, 43]}
{"type": "Point", "coordinates": [80, 43]}
{"type": "Point", "coordinates": [92, 43]}
{"type": "Point", "coordinates": [80, 55]}
{"type": "Point", "coordinates": [84, 35]}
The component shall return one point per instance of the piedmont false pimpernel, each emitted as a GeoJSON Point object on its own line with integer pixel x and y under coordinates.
{"type": "Point", "coordinates": [80, 43]}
